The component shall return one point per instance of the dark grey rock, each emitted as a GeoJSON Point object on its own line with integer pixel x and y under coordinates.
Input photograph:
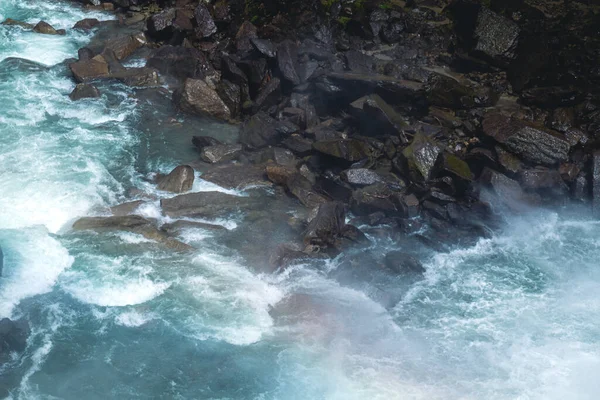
{"type": "Point", "coordinates": [361, 177]}
{"type": "Point", "coordinates": [237, 176]}
{"type": "Point", "coordinates": [202, 204]}
{"type": "Point", "coordinates": [84, 91]}
{"type": "Point", "coordinates": [261, 130]}
{"type": "Point", "coordinates": [179, 180]}
{"type": "Point", "coordinates": [220, 152]}
{"type": "Point", "coordinates": [205, 24]}
{"type": "Point", "coordinates": [497, 37]}
{"type": "Point", "coordinates": [346, 149]}
{"type": "Point", "coordinates": [13, 337]}
{"type": "Point", "coordinates": [326, 226]}
{"type": "Point", "coordinates": [265, 47]}
{"type": "Point", "coordinates": [534, 144]}
{"type": "Point", "coordinates": [287, 60]}
{"type": "Point", "coordinates": [180, 62]}
{"type": "Point", "coordinates": [421, 157]}
{"type": "Point", "coordinates": [197, 97]}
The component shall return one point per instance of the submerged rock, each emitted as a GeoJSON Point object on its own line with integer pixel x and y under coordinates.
{"type": "Point", "coordinates": [179, 180]}
{"type": "Point", "coordinates": [84, 91]}
{"type": "Point", "coordinates": [202, 204]}
{"type": "Point", "coordinates": [130, 223]}
{"type": "Point", "coordinates": [400, 262]}
{"type": "Point", "coordinates": [13, 337]}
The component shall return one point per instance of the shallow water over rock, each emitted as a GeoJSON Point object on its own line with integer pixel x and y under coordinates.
{"type": "Point", "coordinates": [114, 315]}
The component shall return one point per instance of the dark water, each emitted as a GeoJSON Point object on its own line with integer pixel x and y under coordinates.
{"type": "Point", "coordinates": [115, 316]}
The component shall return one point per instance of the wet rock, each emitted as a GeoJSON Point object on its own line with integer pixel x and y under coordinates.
{"type": "Point", "coordinates": [47, 29]}
{"type": "Point", "coordinates": [13, 337]}
{"type": "Point", "coordinates": [177, 227]}
{"type": "Point", "coordinates": [351, 150]}
{"type": "Point", "coordinates": [541, 178]}
{"type": "Point", "coordinates": [509, 161]}
{"type": "Point", "coordinates": [400, 262]}
{"type": "Point", "coordinates": [374, 198]}
{"type": "Point", "coordinates": [410, 205]}
{"type": "Point", "coordinates": [124, 209]}
{"type": "Point", "coordinates": [203, 141]}
{"type": "Point", "coordinates": [351, 236]}
{"type": "Point", "coordinates": [84, 91]}
{"type": "Point", "coordinates": [279, 174]}
{"type": "Point", "coordinates": [298, 144]}
{"type": "Point", "coordinates": [285, 255]}
{"type": "Point", "coordinates": [124, 46]}
{"type": "Point", "coordinates": [534, 144]}
{"type": "Point", "coordinates": [180, 62]}
{"type": "Point", "coordinates": [264, 47]}
{"type": "Point", "coordinates": [421, 157]}
{"type": "Point", "coordinates": [450, 165]}
{"type": "Point", "coordinates": [202, 204]}
{"type": "Point", "coordinates": [86, 24]}
{"type": "Point", "coordinates": [261, 130]}
{"type": "Point", "coordinates": [231, 95]}
{"type": "Point", "coordinates": [160, 25]}
{"type": "Point", "coordinates": [85, 53]}
{"type": "Point", "coordinates": [14, 22]}
{"type": "Point", "coordinates": [296, 184]}
{"type": "Point", "coordinates": [87, 70]}
{"type": "Point", "coordinates": [278, 155]}
{"type": "Point", "coordinates": [140, 77]}
{"type": "Point", "coordinates": [220, 152]}
{"type": "Point", "coordinates": [205, 24]}
{"type": "Point", "coordinates": [496, 36]}
{"type": "Point", "coordinates": [377, 116]}
{"type": "Point", "coordinates": [237, 176]}
{"type": "Point", "coordinates": [269, 95]}
{"type": "Point", "coordinates": [179, 180]}
{"type": "Point", "coordinates": [326, 227]}
{"type": "Point", "coordinates": [359, 62]}
{"type": "Point", "coordinates": [244, 36]}
{"type": "Point", "coordinates": [504, 189]}
{"type": "Point", "coordinates": [130, 223]}
{"type": "Point", "coordinates": [197, 97]}
{"type": "Point", "coordinates": [361, 177]}
{"type": "Point", "coordinates": [554, 96]}
{"type": "Point", "coordinates": [595, 183]}
{"type": "Point", "coordinates": [287, 60]}
{"type": "Point", "coordinates": [444, 91]}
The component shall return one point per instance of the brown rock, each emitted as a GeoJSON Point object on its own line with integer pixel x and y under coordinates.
{"type": "Point", "coordinates": [197, 97]}
{"type": "Point", "coordinates": [179, 180]}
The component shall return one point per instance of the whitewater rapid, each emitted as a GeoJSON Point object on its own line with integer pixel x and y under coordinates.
{"type": "Point", "coordinates": [516, 316]}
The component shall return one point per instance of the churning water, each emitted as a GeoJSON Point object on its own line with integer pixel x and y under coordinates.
{"type": "Point", "coordinates": [113, 316]}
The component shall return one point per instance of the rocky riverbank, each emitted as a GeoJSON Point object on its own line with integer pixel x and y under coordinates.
{"type": "Point", "coordinates": [419, 119]}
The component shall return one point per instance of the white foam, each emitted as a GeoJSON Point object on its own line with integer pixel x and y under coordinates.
{"type": "Point", "coordinates": [33, 263]}
{"type": "Point", "coordinates": [133, 319]}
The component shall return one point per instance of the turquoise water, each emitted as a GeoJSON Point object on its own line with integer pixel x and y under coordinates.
{"type": "Point", "coordinates": [114, 316]}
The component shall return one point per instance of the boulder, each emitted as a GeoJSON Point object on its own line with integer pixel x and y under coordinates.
{"type": "Point", "coordinates": [175, 228]}
{"type": "Point", "coordinates": [535, 144]}
{"type": "Point", "coordinates": [400, 262]}
{"type": "Point", "coordinates": [264, 47]}
{"type": "Point", "coordinates": [84, 91]}
{"type": "Point", "coordinates": [445, 91]}
{"type": "Point", "coordinates": [13, 337]}
{"type": "Point", "coordinates": [126, 208]}
{"type": "Point", "coordinates": [160, 25]}
{"type": "Point", "coordinates": [180, 62]}
{"type": "Point", "coordinates": [287, 60]}
{"type": "Point", "coordinates": [237, 176]}
{"type": "Point", "coordinates": [87, 70]}
{"type": "Point", "coordinates": [140, 77]}
{"type": "Point", "coordinates": [261, 130]}
{"type": "Point", "coordinates": [541, 178]}
{"type": "Point", "coordinates": [203, 141]}
{"type": "Point", "coordinates": [377, 116]}
{"type": "Point", "coordinates": [361, 177]}
{"type": "Point", "coordinates": [197, 97]}
{"type": "Point", "coordinates": [205, 25]}
{"type": "Point", "coordinates": [244, 36]}
{"type": "Point", "coordinates": [47, 29]}
{"type": "Point", "coordinates": [220, 152]}
{"type": "Point", "coordinates": [85, 53]}
{"type": "Point", "coordinates": [351, 150]}
{"type": "Point", "coordinates": [202, 204]}
{"type": "Point", "coordinates": [231, 94]}
{"type": "Point", "coordinates": [374, 198]}
{"type": "Point", "coordinates": [86, 24]}
{"type": "Point", "coordinates": [503, 189]}
{"type": "Point", "coordinates": [130, 223]}
{"type": "Point", "coordinates": [421, 157]}
{"type": "Point", "coordinates": [124, 46]}
{"type": "Point", "coordinates": [179, 180]}
{"type": "Point", "coordinates": [269, 95]}
{"type": "Point", "coordinates": [285, 255]}
{"type": "Point", "coordinates": [496, 37]}
{"type": "Point", "coordinates": [327, 226]}
{"type": "Point", "coordinates": [295, 184]}
{"type": "Point", "coordinates": [14, 22]}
